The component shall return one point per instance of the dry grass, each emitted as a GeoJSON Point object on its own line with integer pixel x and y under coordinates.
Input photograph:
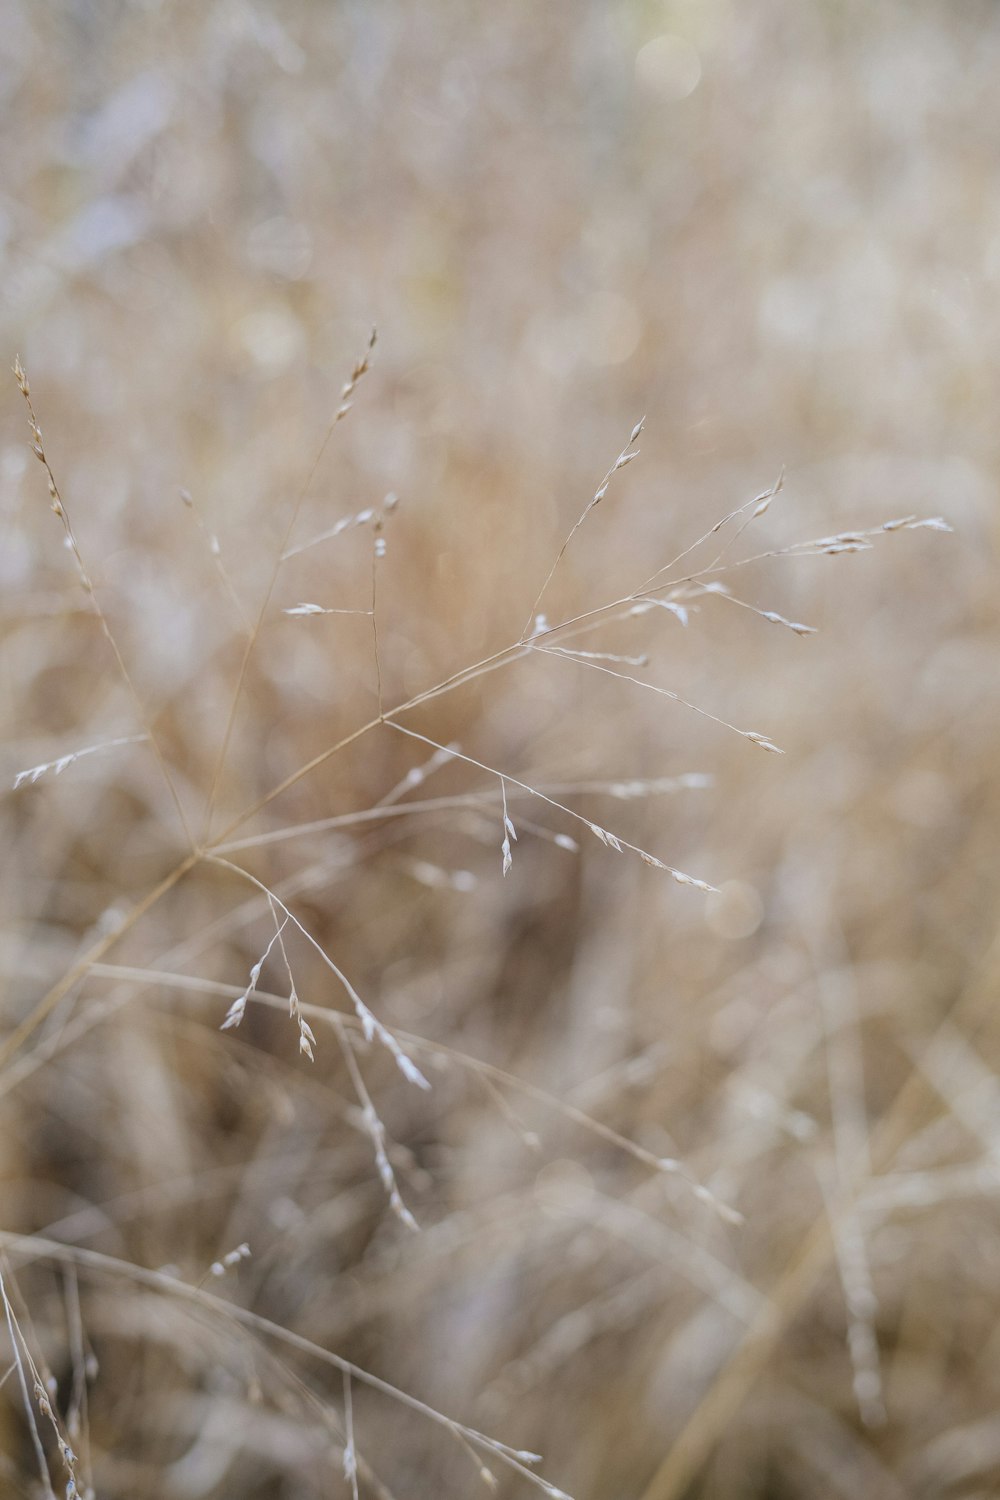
{"type": "Point", "coordinates": [434, 1034]}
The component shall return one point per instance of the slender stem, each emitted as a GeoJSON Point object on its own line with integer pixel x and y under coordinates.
{"type": "Point", "coordinates": [345, 405]}
{"type": "Point", "coordinates": [44, 1008]}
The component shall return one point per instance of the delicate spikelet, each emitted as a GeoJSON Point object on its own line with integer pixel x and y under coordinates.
{"type": "Point", "coordinates": [852, 544]}
{"type": "Point", "coordinates": [627, 661]}
{"type": "Point", "coordinates": [346, 523]}
{"type": "Point", "coordinates": [610, 840]}
{"type": "Point", "coordinates": [318, 609]}
{"type": "Point", "coordinates": [374, 1128]}
{"type": "Point", "coordinates": [69, 537]}
{"type": "Point", "coordinates": [645, 605]}
{"type": "Point", "coordinates": [33, 773]}
{"type": "Point", "coordinates": [606, 838]}
{"type": "Point", "coordinates": [762, 740]}
{"type": "Point", "coordinates": [215, 552]}
{"type": "Point", "coordinates": [375, 1031]}
{"type": "Point", "coordinates": [932, 523]}
{"type": "Point", "coordinates": [385, 1172]}
{"type": "Point", "coordinates": [628, 453]}
{"type": "Point", "coordinates": [843, 539]}
{"type": "Point", "coordinates": [236, 1012]}
{"type": "Point", "coordinates": [45, 1390]}
{"type": "Point", "coordinates": [776, 619]}
{"type": "Point", "coordinates": [763, 502]}
{"type": "Point", "coordinates": [678, 875]}
{"type": "Point", "coordinates": [233, 1258]}
{"type": "Point", "coordinates": [508, 833]}
{"type": "Point", "coordinates": [417, 775]}
{"type": "Point", "coordinates": [675, 609]}
{"type": "Point", "coordinates": [361, 368]}
{"type": "Point", "coordinates": [307, 1039]}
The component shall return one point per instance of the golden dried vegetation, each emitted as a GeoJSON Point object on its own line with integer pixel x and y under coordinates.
{"type": "Point", "coordinates": [439, 1052]}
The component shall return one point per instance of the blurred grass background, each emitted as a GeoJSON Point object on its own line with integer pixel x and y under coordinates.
{"type": "Point", "coordinates": [775, 230]}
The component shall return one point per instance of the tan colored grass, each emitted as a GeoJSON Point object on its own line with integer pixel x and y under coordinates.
{"type": "Point", "coordinates": [301, 815]}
